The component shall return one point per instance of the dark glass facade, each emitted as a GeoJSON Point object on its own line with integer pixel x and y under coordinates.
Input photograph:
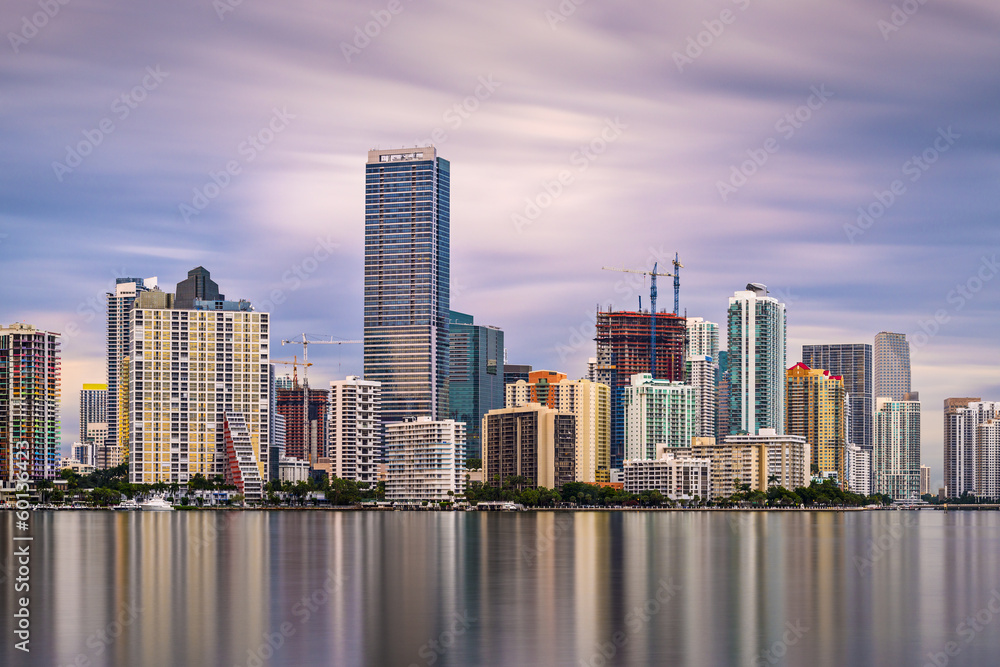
{"type": "Point", "coordinates": [853, 362]}
{"type": "Point", "coordinates": [476, 380]}
{"type": "Point", "coordinates": [407, 276]}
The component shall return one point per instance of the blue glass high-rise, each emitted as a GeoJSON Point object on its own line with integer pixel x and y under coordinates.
{"type": "Point", "coordinates": [476, 384]}
{"type": "Point", "coordinates": [407, 276]}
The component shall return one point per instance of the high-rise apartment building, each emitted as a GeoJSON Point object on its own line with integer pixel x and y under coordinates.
{"type": "Point", "coordinates": [407, 278]}
{"type": "Point", "coordinates": [29, 402]}
{"type": "Point", "coordinates": [988, 459]}
{"type": "Point", "coordinates": [530, 441]}
{"type": "Point", "coordinates": [425, 460]}
{"type": "Point", "coordinates": [964, 451]}
{"type": "Point", "coordinates": [959, 448]}
{"type": "Point", "coordinates": [925, 480]}
{"type": "Point", "coordinates": [896, 462]}
{"type": "Point", "coordinates": [93, 409]}
{"type": "Point", "coordinates": [852, 362]}
{"type": "Point", "coordinates": [703, 337]}
{"type": "Point", "coordinates": [589, 402]}
{"type": "Point", "coordinates": [624, 348]}
{"type": "Point", "coordinates": [355, 428]}
{"type": "Point", "coordinates": [859, 469]}
{"type": "Point", "coordinates": [658, 412]}
{"type": "Point", "coordinates": [891, 366]}
{"type": "Point", "coordinates": [816, 410]}
{"type": "Point", "coordinates": [199, 392]}
{"type": "Point", "coordinates": [476, 379]}
{"type": "Point", "coordinates": [702, 371]}
{"type": "Point", "coordinates": [757, 339]}
{"type": "Point", "coordinates": [118, 334]}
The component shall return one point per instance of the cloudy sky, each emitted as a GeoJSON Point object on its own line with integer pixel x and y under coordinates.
{"type": "Point", "coordinates": [748, 136]}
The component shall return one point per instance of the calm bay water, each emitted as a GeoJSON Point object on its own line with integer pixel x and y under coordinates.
{"type": "Point", "coordinates": [536, 588]}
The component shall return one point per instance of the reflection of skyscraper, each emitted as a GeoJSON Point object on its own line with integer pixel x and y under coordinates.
{"type": "Point", "coordinates": [891, 365]}
{"type": "Point", "coordinates": [853, 362]}
{"type": "Point", "coordinates": [476, 379]}
{"type": "Point", "coordinates": [407, 274]}
{"type": "Point", "coordinates": [756, 331]}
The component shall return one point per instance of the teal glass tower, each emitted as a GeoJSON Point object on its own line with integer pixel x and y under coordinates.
{"type": "Point", "coordinates": [407, 277]}
{"type": "Point", "coordinates": [476, 382]}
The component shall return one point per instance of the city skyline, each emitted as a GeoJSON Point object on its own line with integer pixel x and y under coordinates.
{"type": "Point", "coordinates": [288, 226]}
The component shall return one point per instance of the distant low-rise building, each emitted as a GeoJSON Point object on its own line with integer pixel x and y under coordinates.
{"type": "Point", "coordinates": [677, 476]}
{"type": "Point", "coordinates": [762, 460]}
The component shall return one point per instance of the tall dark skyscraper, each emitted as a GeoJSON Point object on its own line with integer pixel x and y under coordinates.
{"type": "Point", "coordinates": [853, 362]}
{"type": "Point", "coordinates": [407, 277]}
{"type": "Point", "coordinates": [198, 285]}
{"type": "Point", "coordinates": [476, 382]}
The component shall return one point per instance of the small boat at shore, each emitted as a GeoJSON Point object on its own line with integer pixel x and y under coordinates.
{"type": "Point", "coordinates": [127, 505]}
{"type": "Point", "coordinates": [157, 504]}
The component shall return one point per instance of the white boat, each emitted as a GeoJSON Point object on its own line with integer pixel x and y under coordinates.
{"type": "Point", "coordinates": [157, 504]}
{"type": "Point", "coordinates": [127, 504]}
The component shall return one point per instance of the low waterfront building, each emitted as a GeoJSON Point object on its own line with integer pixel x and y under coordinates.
{"type": "Point", "coordinates": [291, 469]}
{"type": "Point", "coordinates": [425, 459]}
{"type": "Point", "coordinates": [676, 476]}
{"type": "Point", "coordinates": [762, 460]}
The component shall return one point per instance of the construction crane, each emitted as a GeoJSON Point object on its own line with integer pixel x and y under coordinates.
{"type": "Point", "coordinates": [305, 343]}
{"type": "Point", "coordinates": [652, 311]}
{"type": "Point", "coordinates": [677, 284]}
{"type": "Point", "coordinates": [295, 363]}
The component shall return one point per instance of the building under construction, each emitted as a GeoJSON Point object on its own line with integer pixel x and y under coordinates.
{"type": "Point", "coordinates": [303, 441]}
{"type": "Point", "coordinates": [625, 345]}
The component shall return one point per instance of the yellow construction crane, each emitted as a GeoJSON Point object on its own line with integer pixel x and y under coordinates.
{"type": "Point", "coordinates": [295, 363]}
{"type": "Point", "coordinates": [307, 340]}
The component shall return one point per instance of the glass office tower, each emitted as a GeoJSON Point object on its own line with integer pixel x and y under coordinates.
{"type": "Point", "coordinates": [407, 274]}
